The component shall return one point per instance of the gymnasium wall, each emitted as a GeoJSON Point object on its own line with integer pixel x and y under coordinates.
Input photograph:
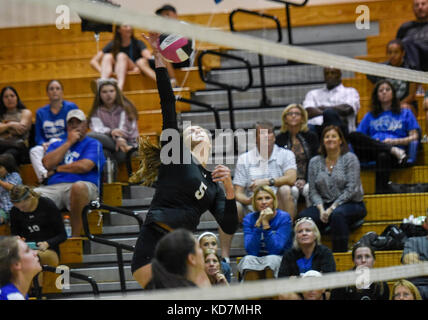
{"type": "Point", "coordinates": [14, 14]}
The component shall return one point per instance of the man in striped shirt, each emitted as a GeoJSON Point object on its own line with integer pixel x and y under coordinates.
{"type": "Point", "coordinates": [265, 164]}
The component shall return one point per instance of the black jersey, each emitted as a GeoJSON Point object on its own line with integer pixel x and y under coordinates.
{"type": "Point", "coordinates": [185, 191]}
{"type": "Point", "coordinates": [43, 224]}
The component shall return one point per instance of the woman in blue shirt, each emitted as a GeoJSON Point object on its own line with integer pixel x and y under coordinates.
{"type": "Point", "coordinates": [267, 233]}
{"type": "Point", "coordinates": [384, 133]}
{"type": "Point", "coordinates": [18, 266]}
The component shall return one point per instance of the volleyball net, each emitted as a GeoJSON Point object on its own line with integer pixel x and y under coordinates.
{"type": "Point", "coordinates": [308, 64]}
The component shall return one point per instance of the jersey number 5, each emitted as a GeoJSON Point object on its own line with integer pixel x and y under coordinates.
{"type": "Point", "coordinates": [201, 192]}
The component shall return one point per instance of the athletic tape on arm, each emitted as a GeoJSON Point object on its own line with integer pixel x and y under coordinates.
{"type": "Point", "coordinates": [152, 22]}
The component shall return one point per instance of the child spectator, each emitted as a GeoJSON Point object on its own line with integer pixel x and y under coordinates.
{"type": "Point", "coordinates": [9, 177]}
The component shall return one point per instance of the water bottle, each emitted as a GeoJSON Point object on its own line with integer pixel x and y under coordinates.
{"type": "Point", "coordinates": [110, 172]}
{"type": "Point", "coordinates": [67, 226]}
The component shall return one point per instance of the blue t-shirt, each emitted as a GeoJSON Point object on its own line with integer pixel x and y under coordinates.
{"type": "Point", "coordinates": [10, 292]}
{"type": "Point", "coordinates": [388, 125]}
{"type": "Point", "coordinates": [49, 125]}
{"type": "Point", "coordinates": [305, 264]}
{"type": "Point", "coordinates": [88, 148]}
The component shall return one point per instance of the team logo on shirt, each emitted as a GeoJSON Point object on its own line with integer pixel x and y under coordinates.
{"type": "Point", "coordinates": [71, 156]}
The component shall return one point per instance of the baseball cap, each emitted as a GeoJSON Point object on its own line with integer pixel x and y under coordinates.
{"type": "Point", "coordinates": [166, 7]}
{"type": "Point", "coordinates": [76, 113]}
{"type": "Point", "coordinates": [311, 273]}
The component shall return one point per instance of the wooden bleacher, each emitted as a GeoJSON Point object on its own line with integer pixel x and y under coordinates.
{"type": "Point", "coordinates": [30, 56]}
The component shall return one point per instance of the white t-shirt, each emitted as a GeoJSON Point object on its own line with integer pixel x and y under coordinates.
{"type": "Point", "coordinates": [337, 95]}
{"type": "Point", "coordinates": [252, 166]}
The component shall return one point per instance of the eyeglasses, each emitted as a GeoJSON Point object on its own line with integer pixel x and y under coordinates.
{"type": "Point", "coordinates": [289, 114]}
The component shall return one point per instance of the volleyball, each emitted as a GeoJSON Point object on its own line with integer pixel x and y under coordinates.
{"type": "Point", "coordinates": [174, 48]}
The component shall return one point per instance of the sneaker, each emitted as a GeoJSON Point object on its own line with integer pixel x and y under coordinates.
{"type": "Point", "coordinates": [400, 154]}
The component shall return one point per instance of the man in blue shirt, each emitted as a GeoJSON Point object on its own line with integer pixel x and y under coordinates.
{"type": "Point", "coordinates": [74, 167]}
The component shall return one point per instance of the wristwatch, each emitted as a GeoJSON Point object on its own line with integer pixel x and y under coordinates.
{"type": "Point", "coordinates": [271, 181]}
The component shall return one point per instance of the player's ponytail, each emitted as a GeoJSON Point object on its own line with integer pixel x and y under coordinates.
{"type": "Point", "coordinates": [147, 173]}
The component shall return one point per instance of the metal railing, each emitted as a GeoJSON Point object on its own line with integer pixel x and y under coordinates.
{"type": "Point", "coordinates": [203, 105]}
{"type": "Point", "coordinates": [288, 4]}
{"type": "Point", "coordinates": [228, 87]}
{"type": "Point", "coordinates": [95, 205]}
{"type": "Point", "coordinates": [72, 274]}
{"type": "Point", "coordinates": [265, 102]}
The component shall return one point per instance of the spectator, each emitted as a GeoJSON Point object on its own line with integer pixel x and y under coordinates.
{"type": "Point", "coordinates": [50, 126]}
{"type": "Point", "coordinates": [383, 133]}
{"type": "Point", "coordinates": [416, 251]}
{"type": "Point", "coordinates": [213, 268]}
{"type": "Point", "coordinates": [264, 165]}
{"type": "Point", "coordinates": [184, 191]}
{"type": "Point", "coordinates": [113, 121]}
{"type": "Point", "coordinates": [18, 266]}
{"type": "Point", "coordinates": [124, 53]}
{"type": "Point", "coordinates": [208, 240]}
{"type": "Point", "coordinates": [37, 219]}
{"type": "Point", "coordinates": [414, 35]}
{"type": "Point", "coordinates": [15, 125]}
{"type": "Point", "coordinates": [335, 188]}
{"type": "Point", "coordinates": [404, 290]}
{"type": "Point", "coordinates": [9, 177]}
{"type": "Point", "coordinates": [178, 262]}
{"type": "Point", "coordinates": [74, 164]}
{"type": "Point", "coordinates": [296, 136]}
{"type": "Point", "coordinates": [267, 233]}
{"type": "Point", "coordinates": [313, 295]}
{"type": "Point", "coordinates": [169, 11]}
{"type": "Point", "coordinates": [406, 91]}
{"type": "Point", "coordinates": [332, 105]}
{"type": "Point", "coordinates": [307, 252]}
{"type": "Point", "coordinates": [363, 256]}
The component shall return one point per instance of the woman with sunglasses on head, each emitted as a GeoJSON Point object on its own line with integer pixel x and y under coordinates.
{"type": "Point", "coordinates": [185, 189]}
{"type": "Point", "coordinates": [307, 252]}
{"type": "Point", "coordinates": [113, 121]}
{"type": "Point", "coordinates": [267, 233]}
{"type": "Point", "coordinates": [37, 219]}
{"type": "Point", "coordinates": [335, 188]}
{"type": "Point", "coordinates": [18, 266]}
{"type": "Point", "coordinates": [296, 136]}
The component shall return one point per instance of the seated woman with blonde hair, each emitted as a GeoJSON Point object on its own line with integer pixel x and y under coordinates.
{"type": "Point", "coordinates": [267, 233]}
{"type": "Point", "coordinates": [404, 290]}
{"type": "Point", "coordinates": [296, 136]}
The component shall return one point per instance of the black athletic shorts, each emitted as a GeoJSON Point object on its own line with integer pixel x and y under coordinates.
{"type": "Point", "coordinates": [146, 243]}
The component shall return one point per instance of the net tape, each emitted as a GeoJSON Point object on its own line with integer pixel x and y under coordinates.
{"type": "Point", "coordinates": [273, 287]}
{"type": "Point", "coordinates": [155, 23]}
